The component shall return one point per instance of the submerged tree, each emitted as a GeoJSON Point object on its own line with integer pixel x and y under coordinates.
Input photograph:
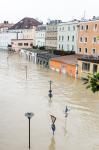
{"type": "Point", "coordinates": [93, 82]}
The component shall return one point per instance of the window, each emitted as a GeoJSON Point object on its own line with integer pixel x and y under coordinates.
{"type": "Point", "coordinates": [68, 28]}
{"type": "Point", "coordinates": [94, 68]}
{"type": "Point", "coordinates": [72, 47]}
{"type": "Point", "coordinates": [67, 38]}
{"type": "Point", "coordinates": [63, 28]}
{"type": "Point", "coordinates": [20, 44]}
{"type": "Point", "coordinates": [86, 27]}
{"type": "Point", "coordinates": [81, 39]}
{"type": "Point", "coordinates": [62, 38]}
{"type": "Point", "coordinates": [81, 27]}
{"type": "Point", "coordinates": [25, 44]}
{"type": "Point", "coordinates": [73, 38]}
{"type": "Point", "coordinates": [59, 46]}
{"type": "Point", "coordinates": [79, 49]}
{"type": "Point", "coordinates": [74, 28]}
{"type": "Point", "coordinates": [85, 66]}
{"type": "Point", "coordinates": [85, 39]}
{"type": "Point", "coordinates": [94, 39]}
{"type": "Point", "coordinates": [93, 51]}
{"type": "Point", "coordinates": [31, 44]}
{"type": "Point", "coordinates": [86, 50]}
{"type": "Point", "coordinates": [95, 27]}
{"type": "Point", "coordinates": [59, 38]}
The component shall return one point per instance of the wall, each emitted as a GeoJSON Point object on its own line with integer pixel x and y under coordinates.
{"type": "Point", "coordinates": [40, 38]}
{"type": "Point", "coordinates": [16, 47]}
{"type": "Point", "coordinates": [84, 73]}
{"type": "Point", "coordinates": [5, 38]}
{"type": "Point", "coordinates": [51, 36]}
{"type": "Point", "coordinates": [63, 68]}
{"type": "Point", "coordinates": [65, 30]}
{"type": "Point", "coordinates": [90, 33]}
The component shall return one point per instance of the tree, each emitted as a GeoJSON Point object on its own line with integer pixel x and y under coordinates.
{"type": "Point", "coordinates": [93, 82]}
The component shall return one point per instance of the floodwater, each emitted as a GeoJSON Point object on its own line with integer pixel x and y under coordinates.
{"type": "Point", "coordinates": [18, 95]}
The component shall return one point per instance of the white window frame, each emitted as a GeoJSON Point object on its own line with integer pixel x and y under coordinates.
{"type": "Point", "coordinates": [92, 50]}
{"type": "Point", "coordinates": [85, 50]}
{"type": "Point", "coordinates": [80, 39]}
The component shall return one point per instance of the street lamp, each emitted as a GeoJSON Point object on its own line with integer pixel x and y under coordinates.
{"type": "Point", "coordinates": [50, 91]}
{"type": "Point", "coordinates": [66, 111]}
{"type": "Point", "coordinates": [29, 115]}
{"type": "Point", "coordinates": [53, 118]}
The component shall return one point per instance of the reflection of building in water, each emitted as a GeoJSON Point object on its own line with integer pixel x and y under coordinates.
{"type": "Point", "coordinates": [65, 130]}
{"type": "Point", "coordinates": [52, 145]}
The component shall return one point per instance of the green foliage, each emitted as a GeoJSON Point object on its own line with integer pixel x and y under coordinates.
{"type": "Point", "coordinates": [93, 82]}
{"type": "Point", "coordinates": [42, 48]}
{"type": "Point", "coordinates": [35, 47]}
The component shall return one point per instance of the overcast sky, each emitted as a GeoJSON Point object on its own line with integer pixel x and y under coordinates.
{"type": "Point", "coordinates": [15, 10]}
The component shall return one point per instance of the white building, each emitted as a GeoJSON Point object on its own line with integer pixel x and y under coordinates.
{"type": "Point", "coordinates": [27, 26]}
{"type": "Point", "coordinates": [40, 35]}
{"type": "Point", "coordinates": [67, 36]}
{"type": "Point", "coordinates": [6, 37]}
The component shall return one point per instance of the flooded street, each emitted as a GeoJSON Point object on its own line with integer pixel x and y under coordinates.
{"type": "Point", "coordinates": [79, 131]}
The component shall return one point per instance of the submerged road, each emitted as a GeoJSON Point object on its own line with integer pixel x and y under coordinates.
{"type": "Point", "coordinates": [18, 95]}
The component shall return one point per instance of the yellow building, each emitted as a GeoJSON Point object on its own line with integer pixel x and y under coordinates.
{"type": "Point", "coordinates": [86, 65]}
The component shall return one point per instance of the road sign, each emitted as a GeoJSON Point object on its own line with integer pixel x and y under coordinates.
{"type": "Point", "coordinates": [53, 118]}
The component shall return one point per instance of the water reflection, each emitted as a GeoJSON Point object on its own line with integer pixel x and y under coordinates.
{"type": "Point", "coordinates": [52, 144]}
{"type": "Point", "coordinates": [65, 129]}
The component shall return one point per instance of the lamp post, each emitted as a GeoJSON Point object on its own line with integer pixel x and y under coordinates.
{"type": "Point", "coordinates": [66, 111]}
{"type": "Point", "coordinates": [53, 118]}
{"type": "Point", "coordinates": [29, 116]}
{"type": "Point", "coordinates": [50, 91]}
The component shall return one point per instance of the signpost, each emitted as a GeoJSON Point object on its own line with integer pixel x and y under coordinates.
{"type": "Point", "coordinates": [53, 118]}
{"type": "Point", "coordinates": [66, 112]}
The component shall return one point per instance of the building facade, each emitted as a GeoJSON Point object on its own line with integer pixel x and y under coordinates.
{"type": "Point", "coordinates": [27, 26]}
{"type": "Point", "coordinates": [67, 36]}
{"type": "Point", "coordinates": [51, 34]}
{"type": "Point", "coordinates": [67, 65]}
{"type": "Point", "coordinates": [40, 35]}
{"type": "Point", "coordinates": [88, 65]}
{"type": "Point", "coordinates": [18, 44]}
{"type": "Point", "coordinates": [6, 37]}
{"type": "Point", "coordinates": [88, 37]}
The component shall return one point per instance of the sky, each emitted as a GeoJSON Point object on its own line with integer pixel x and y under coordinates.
{"type": "Point", "coordinates": [65, 10]}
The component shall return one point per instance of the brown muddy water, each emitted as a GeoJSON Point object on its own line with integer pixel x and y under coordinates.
{"type": "Point", "coordinates": [79, 131]}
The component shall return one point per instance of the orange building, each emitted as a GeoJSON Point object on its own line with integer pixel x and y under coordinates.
{"type": "Point", "coordinates": [88, 37]}
{"type": "Point", "coordinates": [65, 64]}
